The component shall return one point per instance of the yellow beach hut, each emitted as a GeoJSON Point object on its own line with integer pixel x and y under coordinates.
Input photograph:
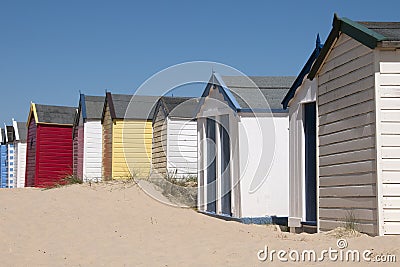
{"type": "Point", "coordinates": [127, 135]}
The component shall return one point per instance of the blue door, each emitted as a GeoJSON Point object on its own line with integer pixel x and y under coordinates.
{"type": "Point", "coordinates": [226, 186]}
{"type": "Point", "coordinates": [310, 161]}
{"type": "Point", "coordinates": [211, 166]}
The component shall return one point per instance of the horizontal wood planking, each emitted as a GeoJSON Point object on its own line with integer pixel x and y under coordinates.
{"type": "Point", "coordinates": [348, 112]}
{"type": "Point", "coordinates": [390, 140]}
{"type": "Point", "coordinates": [369, 228]}
{"type": "Point", "coordinates": [352, 145]}
{"type": "Point", "coordinates": [391, 190]}
{"type": "Point", "coordinates": [389, 67]}
{"type": "Point", "coordinates": [391, 228]}
{"type": "Point", "coordinates": [348, 191]}
{"type": "Point", "coordinates": [348, 123]}
{"type": "Point", "coordinates": [390, 176]}
{"type": "Point", "coordinates": [348, 202]}
{"type": "Point", "coordinates": [352, 88]}
{"type": "Point", "coordinates": [347, 157]}
{"type": "Point", "coordinates": [391, 202]}
{"type": "Point", "coordinates": [361, 214]}
{"type": "Point", "coordinates": [390, 115]}
{"type": "Point", "coordinates": [391, 215]}
{"type": "Point", "coordinates": [348, 179]}
{"type": "Point", "coordinates": [347, 135]}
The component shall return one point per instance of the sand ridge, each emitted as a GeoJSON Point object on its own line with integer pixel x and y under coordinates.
{"type": "Point", "coordinates": [117, 224]}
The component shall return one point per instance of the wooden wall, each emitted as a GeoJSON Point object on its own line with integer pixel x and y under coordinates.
{"type": "Point", "coordinates": [346, 137]}
{"type": "Point", "coordinates": [131, 151]}
{"type": "Point", "coordinates": [31, 154]}
{"type": "Point", "coordinates": [91, 152]}
{"type": "Point", "coordinates": [182, 147]}
{"type": "Point", "coordinates": [159, 158]}
{"type": "Point", "coordinates": [388, 84]}
{"type": "Point", "coordinates": [107, 129]}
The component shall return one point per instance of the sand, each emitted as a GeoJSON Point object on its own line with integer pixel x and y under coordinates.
{"type": "Point", "coordinates": [120, 225]}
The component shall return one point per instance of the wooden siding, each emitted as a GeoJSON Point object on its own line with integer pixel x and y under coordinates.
{"type": "Point", "coordinates": [346, 135]}
{"type": "Point", "coordinates": [182, 147]}
{"type": "Point", "coordinates": [159, 144]}
{"type": "Point", "coordinates": [54, 154]}
{"type": "Point", "coordinates": [75, 152]}
{"type": "Point", "coordinates": [20, 164]}
{"type": "Point", "coordinates": [131, 148]}
{"type": "Point", "coordinates": [92, 146]}
{"type": "Point", "coordinates": [31, 154]}
{"type": "Point", "coordinates": [78, 149]}
{"type": "Point", "coordinates": [388, 84]}
{"type": "Point", "coordinates": [107, 129]}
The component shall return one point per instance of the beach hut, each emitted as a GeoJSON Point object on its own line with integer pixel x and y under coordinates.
{"type": "Point", "coordinates": [174, 152]}
{"type": "Point", "coordinates": [20, 131]}
{"type": "Point", "coordinates": [49, 144]}
{"type": "Point", "coordinates": [3, 159]}
{"type": "Point", "coordinates": [300, 100]}
{"type": "Point", "coordinates": [127, 135]}
{"type": "Point", "coordinates": [10, 158]}
{"type": "Point", "coordinates": [243, 169]}
{"type": "Point", "coordinates": [358, 127]}
{"type": "Point", "coordinates": [87, 138]}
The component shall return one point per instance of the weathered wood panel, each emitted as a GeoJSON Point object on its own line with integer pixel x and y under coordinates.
{"type": "Point", "coordinates": [346, 134]}
{"type": "Point", "coordinates": [107, 144]}
{"type": "Point", "coordinates": [159, 143]}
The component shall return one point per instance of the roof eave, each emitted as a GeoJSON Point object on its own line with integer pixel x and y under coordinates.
{"type": "Point", "coordinates": [353, 29]}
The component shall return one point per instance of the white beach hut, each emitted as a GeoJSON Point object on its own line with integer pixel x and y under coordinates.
{"type": "Point", "coordinates": [300, 100]}
{"type": "Point", "coordinates": [174, 152]}
{"type": "Point", "coordinates": [358, 127]}
{"type": "Point", "coordinates": [243, 169]}
{"type": "Point", "coordinates": [87, 139]}
{"type": "Point", "coordinates": [20, 131]}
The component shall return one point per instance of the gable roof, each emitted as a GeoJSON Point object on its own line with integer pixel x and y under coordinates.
{"type": "Point", "coordinates": [10, 136]}
{"type": "Point", "coordinates": [2, 136]}
{"type": "Point", "coordinates": [20, 130]}
{"type": "Point", "coordinates": [140, 107]}
{"type": "Point", "coordinates": [178, 107]}
{"type": "Point", "coordinates": [46, 114]}
{"type": "Point", "coordinates": [91, 106]}
{"type": "Point", "coordinates": [303, 73]}
{"type": "Point", "coordinates": [243, 89]}
{"type": "Point", "coordinates": [370, 34]}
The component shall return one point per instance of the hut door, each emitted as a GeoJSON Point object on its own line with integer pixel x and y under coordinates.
{"type": "Point", "coordinates": [225, 167]}
{"type": "Point", "coordinates": [310, 161]}
{"type": "Point", "coordinates": [211, 165]}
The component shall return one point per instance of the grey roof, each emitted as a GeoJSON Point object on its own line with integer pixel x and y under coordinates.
{"type": "Point", "coordinates": [391, 30]}
{"type": "Point", "coordinates": [2, 136]}
{"type": "Point", "coordinates": [180, 107]}
{"type": "Point", "coordinates": [250, 93]}
{"type": "Point", "coordinates": [22, 130]}
{"type": "Point", "coordinates": [94, 106]}
{"type": "Point", "coordinates": [55, 114]}
{"type": "Point", "coordinates": [10, 134]}
{"type": "Point", "coordinates": [140, 107]}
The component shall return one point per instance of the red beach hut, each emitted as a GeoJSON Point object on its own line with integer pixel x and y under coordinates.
{"type": "Point", "coordinates": [49, 144]}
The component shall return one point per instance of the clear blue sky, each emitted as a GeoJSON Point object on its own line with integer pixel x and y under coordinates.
{"type": "Point", "coordinates": [49, 50]}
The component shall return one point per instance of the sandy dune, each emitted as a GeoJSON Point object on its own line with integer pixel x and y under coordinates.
{"type": "Point", "coordinates": [120, 225]}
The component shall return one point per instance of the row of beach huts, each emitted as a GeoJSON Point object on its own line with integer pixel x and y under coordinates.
{"type": "Point", "coordinates": [321, 149]}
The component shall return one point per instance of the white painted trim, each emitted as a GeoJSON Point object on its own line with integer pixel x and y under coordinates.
{"type": "Point", "coordinates": [317, 152]}
{"type": "Point", "coordinates": [218, 168]}
{"type": "Point", "coordinates": [378, 142]}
